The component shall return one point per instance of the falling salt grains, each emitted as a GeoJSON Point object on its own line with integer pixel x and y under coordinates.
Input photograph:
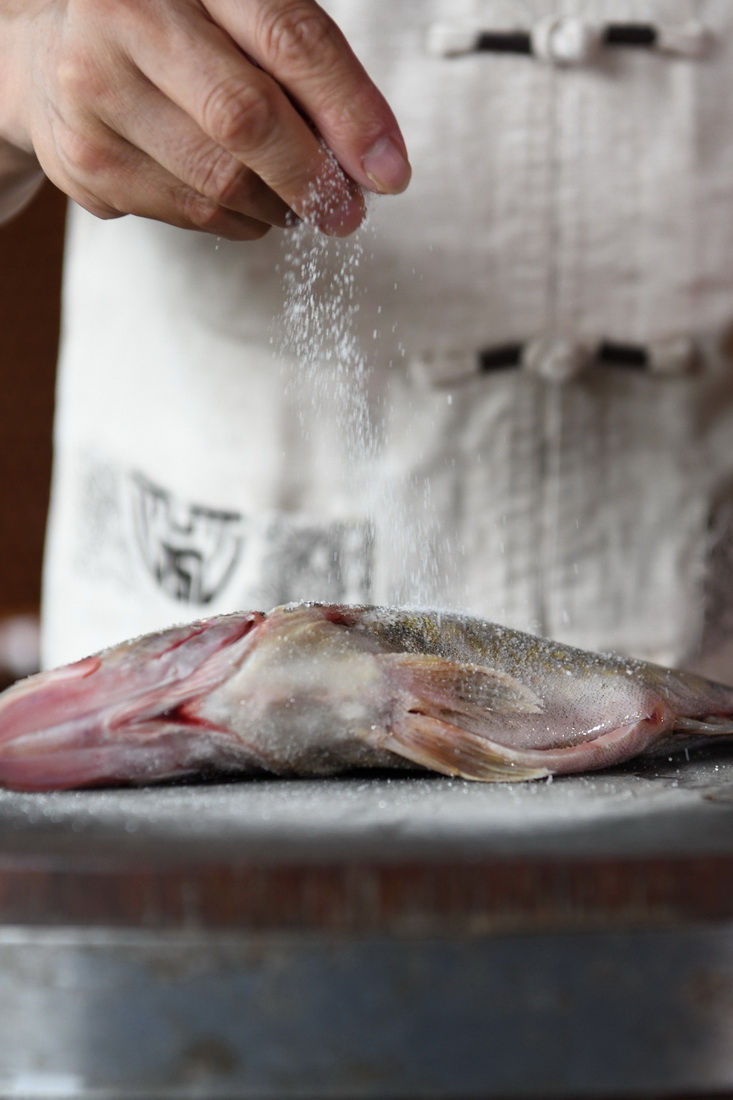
{"type": "Point", "coordinates": [328, 341]}
{"type": "Point", "coordinates": [318, 330]}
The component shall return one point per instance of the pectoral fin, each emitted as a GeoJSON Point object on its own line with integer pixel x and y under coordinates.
{"type": "Point", "coordinates": [461, 693]}
{"type": "Point", "coordinates": [445, 748]}
{"type": "Point", "coordinates": [447, 707]}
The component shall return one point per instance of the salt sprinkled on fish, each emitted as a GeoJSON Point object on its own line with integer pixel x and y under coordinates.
{"type": "Point", "coordinates": [316, 689]}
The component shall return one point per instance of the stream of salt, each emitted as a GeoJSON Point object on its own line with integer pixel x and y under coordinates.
{"type": "Point", "coordinates": [324, 298]}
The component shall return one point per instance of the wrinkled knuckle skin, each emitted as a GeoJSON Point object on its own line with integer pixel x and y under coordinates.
{"type": "Point", "coordinates": [198, 211]}
{"type": "Point", "coordinates": [79, 79]}
{"type": "Point", "coordinates": [102, 10]}
{"type": "Point", "coordinates": [87, 158]}
{"type": "Point", "coordinates": [220, 177]}
{"type": "Point", "coordinates": [240, 117]}
{"type": "Point", "coordinates": [201, 213]}
{"type": "Point", "coordinates": [298, 32]}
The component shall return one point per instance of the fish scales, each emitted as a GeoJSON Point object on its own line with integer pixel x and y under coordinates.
{"type": "Point", "coordinates": [314, 689]}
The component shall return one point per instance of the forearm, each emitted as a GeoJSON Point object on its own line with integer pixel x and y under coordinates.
{"type": "Point", "coordinates": [20, 173]}
{"type": "Point", "coordinates": [20, 179]}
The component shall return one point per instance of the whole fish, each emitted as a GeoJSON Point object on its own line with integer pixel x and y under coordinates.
{"type": "Point", "coordinates": [314, 689]}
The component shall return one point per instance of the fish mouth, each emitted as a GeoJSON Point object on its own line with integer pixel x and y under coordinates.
{"type": "Point", "coordinates": [83, 723]}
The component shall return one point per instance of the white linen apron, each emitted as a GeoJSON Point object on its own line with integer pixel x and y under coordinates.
{"type": "Point", "coordinates": [543, 316]}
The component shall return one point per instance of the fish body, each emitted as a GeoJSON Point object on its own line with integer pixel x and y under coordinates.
{"type": "Point", "coordinates": [314, 689]}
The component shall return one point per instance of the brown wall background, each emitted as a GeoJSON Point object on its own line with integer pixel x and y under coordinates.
{"type": "Point", "coordinates": [30, 278]}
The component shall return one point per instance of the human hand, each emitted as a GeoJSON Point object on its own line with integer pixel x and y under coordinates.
{"type": "Point", "coordinates": [202, 113]}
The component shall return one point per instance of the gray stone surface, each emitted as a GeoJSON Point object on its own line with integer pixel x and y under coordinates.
{"type": "Point", "coordinates": [653, 807]}
{"type": "Point", "coordinates": [121, 1013]}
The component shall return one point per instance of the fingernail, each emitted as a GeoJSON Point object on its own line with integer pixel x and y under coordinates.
{"type": "Point", "coordinates": [387, 166]}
